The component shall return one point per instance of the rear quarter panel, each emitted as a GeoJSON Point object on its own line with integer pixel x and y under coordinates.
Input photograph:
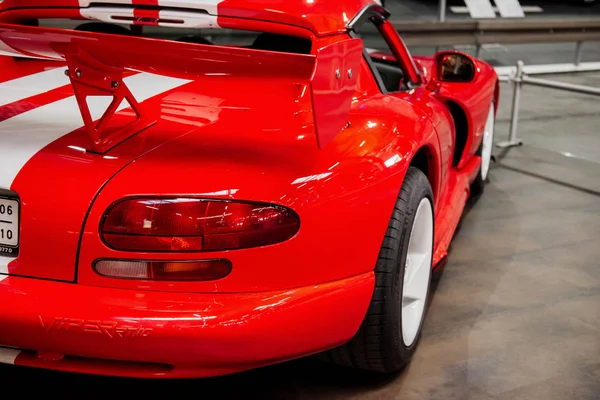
{"type": "Point", "coordinates": [343, 193]}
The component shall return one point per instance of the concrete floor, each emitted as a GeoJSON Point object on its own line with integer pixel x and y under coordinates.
{"type": "Point", "coordinates": [516, 313]}
{"type": "Point", "coordinates": [556, 120]}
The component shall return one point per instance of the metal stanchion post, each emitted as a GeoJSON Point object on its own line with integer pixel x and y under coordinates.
{"type": "Point", "coordinates": [578, 53]}
{"type": "Point", "coordinates": [443, 10]}
{"type": "Point", "coordinates": [442, 18]}
{"type": "Point", "coordinates": [516, 103]}
{"type": "Point", "coordinates": [594, 91]}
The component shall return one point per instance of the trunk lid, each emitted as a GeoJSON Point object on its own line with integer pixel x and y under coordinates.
{"type": "Point", "coordinates": [44, 163]}
{"type": "Point", "coordinates": [64, 136]}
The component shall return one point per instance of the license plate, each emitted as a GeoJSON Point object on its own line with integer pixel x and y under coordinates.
{"type": "Point", "coordinates": [9, 226]}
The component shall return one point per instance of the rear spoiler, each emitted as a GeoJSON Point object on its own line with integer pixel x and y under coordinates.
{"type": "Point", "coordinates": [98, 62]}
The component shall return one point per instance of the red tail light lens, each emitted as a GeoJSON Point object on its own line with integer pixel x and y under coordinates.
{"type": "Point", "coordinates": [205, 270]}
{"type": "Point", "coordinates": [186, 224]}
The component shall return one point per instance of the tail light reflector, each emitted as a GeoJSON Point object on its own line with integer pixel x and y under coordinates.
{"type": "Point", "coordinates": [187, 224]}
{"type": "Point", "coordinates": [205, 270]}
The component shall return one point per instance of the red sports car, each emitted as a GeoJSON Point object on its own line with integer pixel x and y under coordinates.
{"type": "Point", "coordinates": [195, 188]}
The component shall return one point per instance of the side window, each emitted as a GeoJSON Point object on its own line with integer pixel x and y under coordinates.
{"type": "Point", "coordinates": [387, 69]}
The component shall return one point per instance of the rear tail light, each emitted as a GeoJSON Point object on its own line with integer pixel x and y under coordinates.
{"type": "Point", "coordinates": [206, 270]}
{"type": "Point", "coordinates": [187, 224]}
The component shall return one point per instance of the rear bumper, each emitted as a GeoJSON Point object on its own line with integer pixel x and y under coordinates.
{"type": "Point", "coordinates": [120, 332]}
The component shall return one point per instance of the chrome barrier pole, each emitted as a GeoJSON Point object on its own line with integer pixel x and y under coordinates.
{"type": "Point", "coordinates": [570, 87]}
{"type": "Point", "coordinates": [578, 52]}
{"type": "Point", "coordinates": [443, 10]}
{"type": "Point", "coordinates": [517, 80]}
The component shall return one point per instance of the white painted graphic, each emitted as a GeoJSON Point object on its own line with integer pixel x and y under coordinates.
{"type": "Point", "coordinates": [180, 19]}
{"type": "Point", "coordinates": [86, 3]}
{"type": "Point", "coordinates": [111, 15]}
{"type": "Point", "coordinates": [31, 85]}
{"type": "Point", "coordinates": [22, 136]}
{"type": "Point", "coordinates": [6, 50]}
{"type": "Point", "coordinates": [189, 19]}
{"type": "Point", "coordinates": [210, 6]}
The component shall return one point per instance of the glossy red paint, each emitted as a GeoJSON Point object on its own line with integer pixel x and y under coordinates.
{"type": "Point", "coordinates": [231, 123]}
{"type": "Point", "coordinates": [90, 79]}
{"type": "Point", "coordinates": [322, 17]}
{"type": "Point", "coordinates": [332, 97]}
{"type": "Point", "coordinates": [174, 335]}
{"type": "Point", "coordinates": [401, 52]}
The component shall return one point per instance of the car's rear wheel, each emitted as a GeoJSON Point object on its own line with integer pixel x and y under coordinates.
{"type": "Point", "coordinates": [485, 152]}
{"type": "Point", "coordinates": [391, 329]}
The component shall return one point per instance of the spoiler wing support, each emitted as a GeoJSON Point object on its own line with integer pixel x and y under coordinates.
{"type": "Point", "coordinates": [97, 64]}
{"type": "Point", "coordinates": [91, 78]}
{"type": "Point", "coordinates": [333, 87]}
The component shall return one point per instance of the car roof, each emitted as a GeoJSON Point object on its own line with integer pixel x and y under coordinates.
{"type": "Point", "coordinates": [322, 17]}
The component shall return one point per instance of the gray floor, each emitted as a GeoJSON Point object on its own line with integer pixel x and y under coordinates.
{"type": "Point", "coordinates": [516, 313]}
{"type": "Point", "coordinates": [557, 120]}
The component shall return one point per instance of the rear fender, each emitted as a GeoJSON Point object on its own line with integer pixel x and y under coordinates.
{"type": "Point", "coordinates": [344, 194]}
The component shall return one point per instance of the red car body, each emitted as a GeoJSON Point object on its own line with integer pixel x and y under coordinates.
{"type": "Point", "coordinates": [220, 123]}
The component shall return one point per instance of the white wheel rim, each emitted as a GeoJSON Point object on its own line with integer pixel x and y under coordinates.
{"type": "Point", "coordinates": [417, 272]}
{"type": "Point", "coordinates": [488, 144]}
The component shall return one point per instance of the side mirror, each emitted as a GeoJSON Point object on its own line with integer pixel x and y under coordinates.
{"type": "Point", "coordinates": [454, 67]}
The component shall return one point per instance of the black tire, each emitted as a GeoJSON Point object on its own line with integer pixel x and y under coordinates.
{"type": "Point", "coordinates": [378, 345]}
